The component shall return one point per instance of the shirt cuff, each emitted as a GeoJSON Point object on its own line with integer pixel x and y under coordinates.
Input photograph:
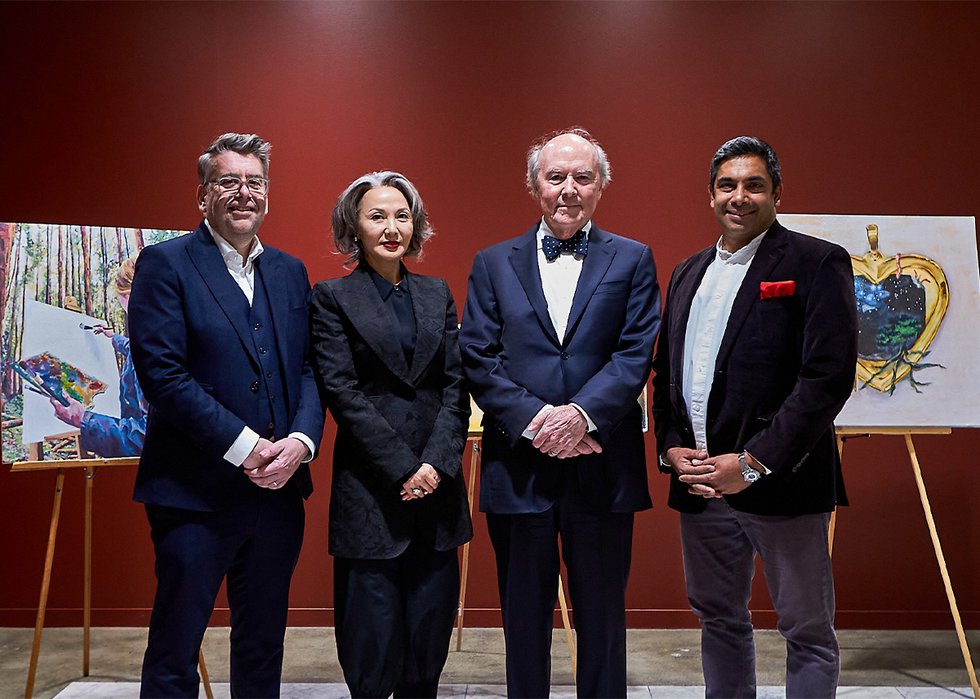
{"type": "Point", "coordinates": [588, 420]}
{"type": "Point", "coordinates": [307, 442]}
{"type": "Point", "coordinates": [242, 446]}
{"type": "Point", "coordinates": [528, 432]}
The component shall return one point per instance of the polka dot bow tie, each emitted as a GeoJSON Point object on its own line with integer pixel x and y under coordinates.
{"type": "Point", "coordinates": [553, 247]}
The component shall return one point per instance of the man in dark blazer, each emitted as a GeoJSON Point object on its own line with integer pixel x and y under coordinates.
{"type": "Point", "coordinates": [756, 360]}
{"type": "Point", "coordinates": [219, 326]}
{"type": "Point", "coordinates": [557, 338]}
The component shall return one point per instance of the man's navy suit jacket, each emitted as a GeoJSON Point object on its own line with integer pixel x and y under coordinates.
{"type": "Point", "coordinates": [196, 362]}
{"type": "Point", "coordinates": [515, 364]}
{"type": "Point", "coordinates": [784, 369]}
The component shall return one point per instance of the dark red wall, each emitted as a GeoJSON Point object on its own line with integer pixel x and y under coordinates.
{"type": "Point", "coordinates": [871, 107]}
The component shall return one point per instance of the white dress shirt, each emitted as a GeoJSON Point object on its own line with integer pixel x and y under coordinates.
{"type": "Point", "coordinates": [559, 279]}
{"type": "Point", "coordinates": [244, 276]}
{"type": "Point", "coordinates": [710, 309]}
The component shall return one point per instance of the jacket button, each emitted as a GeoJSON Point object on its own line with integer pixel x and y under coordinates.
{"type": "Point", "coordinates": [262, 350]}
{"type": "Point", "coordinates": [254, 387]}
{"type": "Point", "coordinates": [257, 326]}
{"type": "Point", "coordinates": [564, 355]}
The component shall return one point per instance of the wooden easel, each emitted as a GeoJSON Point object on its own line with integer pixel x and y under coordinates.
{"type": "Point", "coordinates": [474, 439]}
{"type": "Point", "coordinates": [90, 466]}
{"type": "Point", "coordinates": [907, 432]}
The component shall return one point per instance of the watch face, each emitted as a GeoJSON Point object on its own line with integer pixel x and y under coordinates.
{"type": "Point", "coordinates": [750, 476]}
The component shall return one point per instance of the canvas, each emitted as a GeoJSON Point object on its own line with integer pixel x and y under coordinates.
{"type": "Point", "coordinates": [917, 286]}
{"type": "Point", "coordinates": [64, 337]}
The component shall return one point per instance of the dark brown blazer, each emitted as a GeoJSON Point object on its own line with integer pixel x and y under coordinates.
{"type": "Point", "coordinates": [391, 416]}
{"type": "Point", "coordinates": [784, 370]}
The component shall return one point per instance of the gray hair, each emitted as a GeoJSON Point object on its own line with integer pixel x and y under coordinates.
{"type": "Point", "coordinates": [344, 219]}
{"type": "Point", "coordinates": [241, 143]}
{"type": "Point", "coordinates": [534, 155]}
{"type": "Point", "coordinates": [746, 145]}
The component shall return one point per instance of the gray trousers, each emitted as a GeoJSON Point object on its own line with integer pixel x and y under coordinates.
{"type": "Point", "coordinates": [720, 545]}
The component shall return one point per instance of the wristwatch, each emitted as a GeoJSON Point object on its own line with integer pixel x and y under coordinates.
{"type": "Point", "coordinates": [749, 474]}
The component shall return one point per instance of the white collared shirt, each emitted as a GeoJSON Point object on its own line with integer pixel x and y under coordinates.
{"type": "Point", "coordinates": [244, 276]}
{"type": "Point", "coordinates": [710, 310]}
{"type": "Point", "coordinates": [559, 279]}
{"type": "Point", "coordinates": [242, 272]}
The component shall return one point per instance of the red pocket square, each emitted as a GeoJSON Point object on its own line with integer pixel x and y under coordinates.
{"type": "Point", "coordinates": [771, 290]}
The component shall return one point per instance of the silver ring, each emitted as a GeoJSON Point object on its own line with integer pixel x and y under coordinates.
{"type": "Point", "coordinates": [275, 484]}
{"type": "Point", "coordinates": [552, 453]}
{"type": "Point", "coordinates": [416, 491]}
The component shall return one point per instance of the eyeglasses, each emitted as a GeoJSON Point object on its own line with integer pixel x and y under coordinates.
{"type": "Point", "coordinates": [229, 184]}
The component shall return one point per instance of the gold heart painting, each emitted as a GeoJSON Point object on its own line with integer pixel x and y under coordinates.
{"type": "Point", "coordinates": [901, 302]}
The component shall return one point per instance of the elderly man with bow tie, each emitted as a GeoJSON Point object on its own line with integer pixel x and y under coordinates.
{"type": "Point", "coordinates": [556, 339]}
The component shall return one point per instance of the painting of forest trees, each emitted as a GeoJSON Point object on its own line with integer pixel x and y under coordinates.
{"type": "Point", "coordinates": [69, 267]}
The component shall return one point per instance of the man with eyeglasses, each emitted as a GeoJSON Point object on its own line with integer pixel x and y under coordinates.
{"type": "Point", "coordinates": [218, 327]}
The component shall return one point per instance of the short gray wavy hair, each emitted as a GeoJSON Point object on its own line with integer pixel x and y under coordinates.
{"type": "Point", "coordinates": [345, 213]}
{"type": "Point", "coordinates": [241, 143]}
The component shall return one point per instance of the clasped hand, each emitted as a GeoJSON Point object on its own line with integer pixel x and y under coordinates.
{"type": "Point", "coordinates": [707, 476]}
{"type": "Point", "coordinates": [272, 464]}
{"type": "Point", "coordinates": [562, 432]}
{"type": "Point", "coordinates": [422, 483]}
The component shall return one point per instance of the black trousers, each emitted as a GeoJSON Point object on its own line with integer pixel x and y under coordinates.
{"type": "Point", "coordinates": [394, 619]}
{"type": "Point", "coordinates": [256, 544]}
{"type": "Point", "coordinates": [596, 548]}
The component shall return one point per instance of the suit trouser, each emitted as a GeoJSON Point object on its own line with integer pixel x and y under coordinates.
{"type": "Point", "coordinates": [393, 621]}
{"type": "Point", "coordinates": [256, 544]}
{"type": "Point", "coordinates": [596, 548]}
{"type": "Point", "coordinates": [720, 545]}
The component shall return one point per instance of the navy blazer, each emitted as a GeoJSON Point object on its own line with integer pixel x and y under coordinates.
{"type": "Point", "coordinates": [515, 364]}
{"type": "Point", "coordinates": [784, 370]}
{"type": "Point", "coordinates": [391, 416]}
{"type": "Point", "coordinates": [195, 360]}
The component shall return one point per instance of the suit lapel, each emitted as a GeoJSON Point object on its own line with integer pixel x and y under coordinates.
{"type": "Point", "coordinates": [524, 260]}
{"type": "Point", "coordinates": [770, 252]}
{"type": "Point", "coordinates": [594, 268]}
{"type": "Point", "coordinates": [359, 298]}
{"type": "Point", "coordinates": [206, 257]}
{"type": "Point", "coordinates": [430, 318]}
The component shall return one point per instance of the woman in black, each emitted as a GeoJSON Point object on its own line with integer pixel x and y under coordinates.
{"type": "Point", "coordinates": [386, 356]}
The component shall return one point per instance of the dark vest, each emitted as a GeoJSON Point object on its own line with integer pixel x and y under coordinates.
{"type": "Point", "coordinates": [271, 416]}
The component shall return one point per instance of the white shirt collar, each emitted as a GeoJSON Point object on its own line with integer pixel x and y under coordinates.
{"type": "Point", "coordinates": [743, 255]}
{"type": "Point", "coordinates": [232, 258]}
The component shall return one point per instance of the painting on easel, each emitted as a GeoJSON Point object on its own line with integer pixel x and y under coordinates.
{"type": "Point", "coordinates": [917, 284]}
{"type": "Point", "coordinates": [68, 385]}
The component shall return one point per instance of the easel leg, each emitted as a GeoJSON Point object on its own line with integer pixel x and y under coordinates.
{"type": "Point", "coordinates": [204, 674]}
{"type": "Point", "coordinates": [934, 534]}
{"type": "Point", "coordinates": [833, 515]}
{"type": "Point", "coordinates": [42, 604]}
{"type": "Point", "coordinates": [87, 595]}
{"type": "Point", "coordinates": [465, 567]}
{"type": "Point", "coordinates": [568, 626]}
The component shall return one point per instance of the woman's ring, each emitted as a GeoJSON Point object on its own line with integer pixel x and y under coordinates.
{"type": "Point", "coordinates": [552, 453]}
{"type": "Point", "coordinates": [416, 492]}
{"type": "Point", "coordinates": [275, 484]}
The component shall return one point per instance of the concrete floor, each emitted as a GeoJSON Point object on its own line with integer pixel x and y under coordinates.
{"type": "Point", "coordinates": [930, 660]}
